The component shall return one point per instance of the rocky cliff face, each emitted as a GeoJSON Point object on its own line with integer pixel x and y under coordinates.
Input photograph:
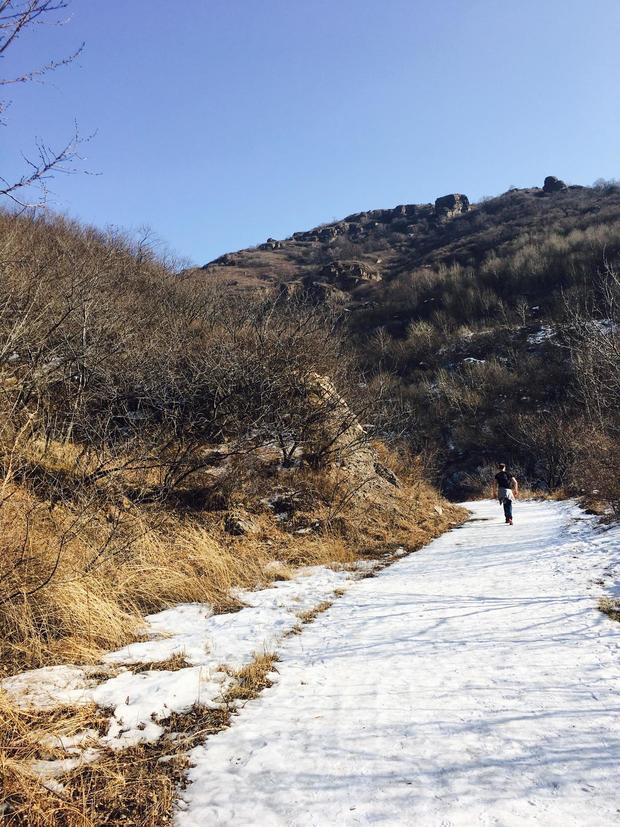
{"type": "Point", "coordinates": [352, 260]}
{"type": "Point", "coordinates": [449, 206]}
{"type": "Point", "coordinates": [361, 226]}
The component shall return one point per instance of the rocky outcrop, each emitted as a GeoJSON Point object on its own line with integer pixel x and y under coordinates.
{"type": "Point", "coordinates": [348, 274]}
{"type": "Point", "coordinates": [449, 206]}
{"type": "Point", "coordinates": [407, 211]}
{"type": "Point", "coordinates": [270, 244]}
{"type": "Point", "coordinates": [291, 288]}
{"type": "Point", "coordinates": [324, 291]}
{"type": "Point", "coordinates": [341, 442]}
{"type": "Point", "coordinates": [239, 524]}
{"type": "Point", "coordinates": [227, 260]}
{"type": "Point", "coordinates": [553, 184]}
{"type": "Point", "coordinates": [387, 474]}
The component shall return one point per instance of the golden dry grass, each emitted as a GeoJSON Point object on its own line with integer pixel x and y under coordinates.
{"type": "Point", "coordinates": [133, 787]}
{"type": "Point", "coordinates": [167, 556]}
{"type": "Point", "coordinates": [610, 607]}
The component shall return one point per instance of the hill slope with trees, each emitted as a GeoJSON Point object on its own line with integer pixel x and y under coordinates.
{"type": "Point", "coordinates": [482, 327]}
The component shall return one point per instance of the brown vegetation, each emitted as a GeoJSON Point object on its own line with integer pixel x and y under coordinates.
{"type": "Point", "coordinates": [162, 443]}
{"type": "Point", "coordinates": [610, 607]}
{"type": "Point", "coordinates": [468, 337]}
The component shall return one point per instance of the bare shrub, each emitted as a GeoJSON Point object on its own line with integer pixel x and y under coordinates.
{"type": "Point", "coordinates": [551, 441]}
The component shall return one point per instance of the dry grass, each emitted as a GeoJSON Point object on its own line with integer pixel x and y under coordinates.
{"type": "Point", "coordinates": [158, 556]}
{"type": "Point", "coordinates": [610, 607]}
{"type": "Point", "coordinates": [250, 680]}
{"type": "Point", "coordinates": [311, 614]}
{"type": "Point", "coordinates": [171, 664]}
{"type": "Point", "coordinates": [133, 787]}
{"type": "Point", "coordinates": [169, 557]}
{"type": "Point", "coordinates": [25, 798]}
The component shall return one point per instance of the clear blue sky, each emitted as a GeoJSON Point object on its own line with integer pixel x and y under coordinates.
{"type": "Point", "coordinates": [221, 122]}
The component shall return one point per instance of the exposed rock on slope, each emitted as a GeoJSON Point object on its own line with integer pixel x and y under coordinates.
{"type": "Point", "coordinates": [553, 184]}
{"type": "Point", "coordinates": [351, 260]}
{"type": "Point", "coordinates": [450, 206]}
{"type": "Point", "coordinates": [344, 255]}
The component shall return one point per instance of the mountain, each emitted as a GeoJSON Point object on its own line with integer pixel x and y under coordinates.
{"type": "Point", "coordinates": [355, 257]}
{"type": "Point", "coordinates": [459, 311]}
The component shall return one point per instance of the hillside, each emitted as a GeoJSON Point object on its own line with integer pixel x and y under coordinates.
{"type": "Point", "coordinates": [356, 258]}
{"type": "Point", "coordinates": [161, 445]}
{"type": "Point", "coordinates": [169, 441]}
{"type": "Point", "coordinates": [463, 315]}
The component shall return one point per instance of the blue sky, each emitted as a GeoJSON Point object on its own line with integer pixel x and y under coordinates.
{"type": "Point", "coordinates": [221, 122]}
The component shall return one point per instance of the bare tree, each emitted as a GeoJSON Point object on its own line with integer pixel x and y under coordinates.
{"type": "Point", "coordinates": [594, 337]}
{"type": "Point", "coordinates": [552, 441]}
{"type": "Point", "coordinates": [17, 18]}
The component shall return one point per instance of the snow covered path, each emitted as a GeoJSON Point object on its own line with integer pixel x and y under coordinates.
{"type": "Point", "coordinates": [472, 683]}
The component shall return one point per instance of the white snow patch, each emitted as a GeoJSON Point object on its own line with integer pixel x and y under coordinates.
{"type": "Point", "coordinates": [209, 643]}
{"type": "Point", "coordinates": [52, 769]}
{"type": "Point", "coordinates": [546, 332]}
{"type": "Point", "coordinates": [69, 743]}
{"type": "Point", "coordinates": [605, 326]}
{"type": "Point", "coordinates": [50, 686]}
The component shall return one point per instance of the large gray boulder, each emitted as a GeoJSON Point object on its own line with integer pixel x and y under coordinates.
{"type": "Point", "coordinates": [553, 184]}
{"type": "Point", "coordinates": [449, 206]}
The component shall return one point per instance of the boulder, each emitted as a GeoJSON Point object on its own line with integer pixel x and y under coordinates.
{"type": "Point", "coordinates": [387, 474]}
{"type": "Point", "coordinates": [270, 244]}
{"type": "Point", "coordinates": [553, 184]}
{"type": "Point", "coordinates": [449, 206]}
{"type": "Point", "coordinates": [404, 211]}
{"type": "Point", "coordinates": [327, 233]}
{"type": "Point", "coordinates": [348, 274]}
{"type": "Point", "coordinates": [227, 260]}
{"type": "Point", "coordinates": [239, 524]}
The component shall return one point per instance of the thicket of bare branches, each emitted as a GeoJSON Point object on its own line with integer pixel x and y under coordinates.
{"type": "Point", "coordinates": [18, 18]}
{"type": "Point", "coordinates": [145, 378]}
{"type": "Point", "coordinates": [594, 338]}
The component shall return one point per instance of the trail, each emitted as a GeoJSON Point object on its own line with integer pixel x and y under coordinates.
{"type": "Point", "coordinates": [471, 683]}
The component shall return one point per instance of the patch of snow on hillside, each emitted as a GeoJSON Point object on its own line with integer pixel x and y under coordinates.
{"type": "Point", "coordinates": [210, 643]}
{"type": "Point", "coordinates": [605, 326]}
{"type": "Point", "coordinates": [546, 332]}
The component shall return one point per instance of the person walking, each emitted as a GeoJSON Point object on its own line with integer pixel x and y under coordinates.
{"type": "Point", "coordinates": [505, 489]}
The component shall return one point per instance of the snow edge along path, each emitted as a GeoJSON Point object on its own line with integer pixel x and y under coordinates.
{"type": "Point", "coordinates": [208, 643]}
{"type": "Point", "coordinates": [472, 683]}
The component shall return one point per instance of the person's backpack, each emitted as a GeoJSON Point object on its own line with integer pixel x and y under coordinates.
{"type": "Point", "coordinates": [503, 479]}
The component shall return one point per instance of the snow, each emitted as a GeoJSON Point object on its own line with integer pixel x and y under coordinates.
{"type": "Point", "coordinates": [209, 643]}
{"type": "Point", "coordinates": [68, 743]}
{"type": "Point", "coordinates": [472, 683]}
{"type": "Point", "coordinates": [140, 700]}
{"type": "Point", "coordinates": [50, 769]}
{"type": "Point", "coordinates": [546, 332]}
{"type": "Point", "coordinates": [50, 686]}
{"type": "Point", "coordinates": [605, 326]}
{"type": "Point", "coordinates": [233, 639]}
